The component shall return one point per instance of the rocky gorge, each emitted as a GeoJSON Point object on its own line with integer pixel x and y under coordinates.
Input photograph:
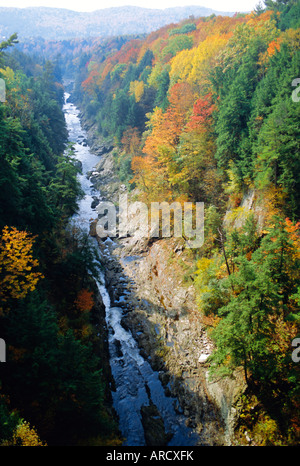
{"type": "Point", "coordinates": [145, 277]}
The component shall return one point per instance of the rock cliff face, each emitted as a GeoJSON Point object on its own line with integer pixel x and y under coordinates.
{"type": "Point", "coordinates": [146, 278]}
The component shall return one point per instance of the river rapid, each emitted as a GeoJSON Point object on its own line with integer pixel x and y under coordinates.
{"type": "Point", "coordinates": [137, 385]}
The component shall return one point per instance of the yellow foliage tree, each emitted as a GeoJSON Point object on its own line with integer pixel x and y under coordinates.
{"type": "Point", "coordinates": [137, 89]}
{"type": "Point", "coordinates": [192, 65]}
{"type": "Point", "coordinates": [26, 436]}
{"type": "Point", "coordinates": [17, 265]}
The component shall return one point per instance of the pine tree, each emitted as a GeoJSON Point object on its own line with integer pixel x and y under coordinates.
{"type": "Point", "coordinates": [263, 284]}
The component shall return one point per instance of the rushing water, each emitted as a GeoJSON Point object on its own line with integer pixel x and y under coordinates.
{"type": "Point", "coordinates": [135, 381]}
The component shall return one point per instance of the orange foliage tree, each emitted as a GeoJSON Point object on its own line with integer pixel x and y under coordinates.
{"type": "Point", "coordinates": [84, 301]}
{"type": "Point", "coordinates": [157, 171]}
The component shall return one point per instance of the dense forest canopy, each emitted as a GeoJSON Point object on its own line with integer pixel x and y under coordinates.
{"type": "Point", "coordinates": [52, 384]}
{"type": "Point", "coordinates": [204, 110]}
{"type": "Point", "coordinates": [207, 110]}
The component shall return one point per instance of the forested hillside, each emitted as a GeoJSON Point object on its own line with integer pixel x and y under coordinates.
{"type": "Point", "coordinates": [69, 57]}
{"type": "Point", "coordinates": [52, 386]}
{"type": "Point", "coordinates": [208, 110]}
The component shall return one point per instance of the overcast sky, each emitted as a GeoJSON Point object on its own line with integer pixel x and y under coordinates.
{"type": "Point", "coordinates": [91, 5]}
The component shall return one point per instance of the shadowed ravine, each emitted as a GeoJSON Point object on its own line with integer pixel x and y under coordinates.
{"type": "Point", "coordinates": [146, 414]}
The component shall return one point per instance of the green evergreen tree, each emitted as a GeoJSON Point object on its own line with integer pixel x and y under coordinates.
{"type": "Point", "coordinates": [262, 289]}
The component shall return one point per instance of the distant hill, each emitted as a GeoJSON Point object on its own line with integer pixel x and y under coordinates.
{"type": "Point", "coordinates": [59, 24]}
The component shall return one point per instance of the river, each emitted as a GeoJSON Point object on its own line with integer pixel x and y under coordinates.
{"type": "Point", "coordinates": [136, 384]}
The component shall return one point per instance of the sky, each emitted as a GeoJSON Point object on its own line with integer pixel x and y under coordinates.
{"type": "Point", "coordinates": [92, 5]}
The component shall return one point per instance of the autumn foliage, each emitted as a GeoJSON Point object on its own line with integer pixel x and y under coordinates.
{"type": "Point", "coordinates": [203, 112]}
{"type": "Point", "coordinates": [25, 436]}
{"type": "Point", "coordinates": [18, 268]}
{"type": "Point", "coordinates": [84, 301]}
